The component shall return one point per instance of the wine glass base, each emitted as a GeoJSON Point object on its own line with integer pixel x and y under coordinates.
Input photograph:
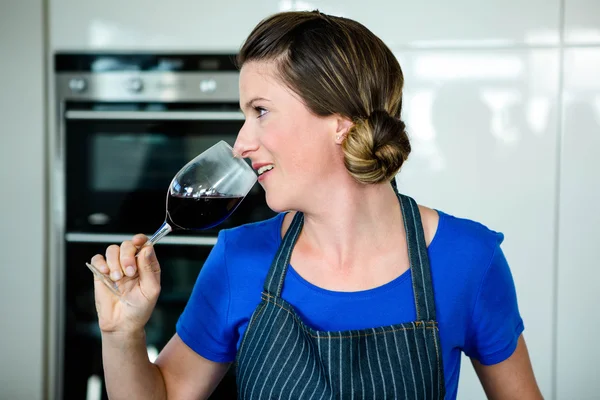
{"type": "Point", "coordinates": [112, 286]}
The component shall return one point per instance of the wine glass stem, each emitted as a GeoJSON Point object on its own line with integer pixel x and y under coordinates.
{"type": "Point", "coordinates": [164, 229]}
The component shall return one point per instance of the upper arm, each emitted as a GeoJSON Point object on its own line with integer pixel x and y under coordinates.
{"type": "Point", "coordinates": [188, 375]}
{"type": "Point", "coordinates": [495, 323]}
{"type": "Point", "coordinates": [205, 325]}
{"type": "Point", "coordinates": [512, 378]}
{"type": "Point", "coordinates": [494, 339]}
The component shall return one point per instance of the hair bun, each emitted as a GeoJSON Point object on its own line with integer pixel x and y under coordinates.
{"type": "Point", "coordinates": [376, 148]}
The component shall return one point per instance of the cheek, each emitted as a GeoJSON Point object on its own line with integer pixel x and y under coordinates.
{"type": "Point", "coordinates": [283, 141]}
{"type": "Point", "coordinates": [304, 154]}
{"type": "Point", "coordinates": [301, 147]}
{"type": "Point", "coordinates": [317, 149]}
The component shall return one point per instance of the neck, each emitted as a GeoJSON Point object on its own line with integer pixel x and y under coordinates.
{"type": "Point", "coordinates": [355, 222]}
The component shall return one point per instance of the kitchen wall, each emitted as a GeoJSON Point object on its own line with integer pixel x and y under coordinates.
{"type": "Point", "coordinates": [22, 208]}
{"type": "Point", "coordinates": [502, 103]}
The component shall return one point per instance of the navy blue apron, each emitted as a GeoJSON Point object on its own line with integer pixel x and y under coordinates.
{"type": "Point", "coordinates": [280, 357]}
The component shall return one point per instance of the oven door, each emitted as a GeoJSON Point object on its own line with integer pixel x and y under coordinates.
{"type": "Point", "coordinates": [119, 165]}
{"type": "Point", "coordinates": [180, 264]}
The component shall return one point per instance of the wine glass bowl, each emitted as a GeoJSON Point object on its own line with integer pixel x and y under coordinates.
{"type": "Point", "coordinates": [203, 194]}
{"type": "Point", "coordinates": [206, 190]}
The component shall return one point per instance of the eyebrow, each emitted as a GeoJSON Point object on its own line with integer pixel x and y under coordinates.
{"type": "Point", "coordinates": [249, 102]}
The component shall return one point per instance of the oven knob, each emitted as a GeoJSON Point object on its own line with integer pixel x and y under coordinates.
{"type": "Point", "coordinates": [77, 85]}
{"type": "Point", "coordinates": [98, 219]}
{"type": "Point", "coordinates": [134, 85]}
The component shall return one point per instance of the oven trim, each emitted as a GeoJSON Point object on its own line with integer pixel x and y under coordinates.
{"type": "Point", "coordinates": [156, 115]}
{"type": "Point", "coordinates": [75, 237]}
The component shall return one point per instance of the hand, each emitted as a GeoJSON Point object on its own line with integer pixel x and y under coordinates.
{"type": "Point", "coordinates": [138, 279]}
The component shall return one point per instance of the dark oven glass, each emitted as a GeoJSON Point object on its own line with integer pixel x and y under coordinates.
{"type": "Point", "coordinates": [83, 374]}
{"type": "Point", "coordinates": [118, 172]}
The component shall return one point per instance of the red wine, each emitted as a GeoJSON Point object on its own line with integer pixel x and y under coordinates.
{"type": "Point", "coordinates": [200, 212]}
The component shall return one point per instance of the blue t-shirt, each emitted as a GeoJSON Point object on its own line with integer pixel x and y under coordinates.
{"type": "Point", "coordinates": [475, 298]}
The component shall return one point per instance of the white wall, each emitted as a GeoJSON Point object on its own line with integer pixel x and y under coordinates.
{"type": "Point", "coordinates": [22, 208]}
{"type": "Point", "coordinates": [503, 105]}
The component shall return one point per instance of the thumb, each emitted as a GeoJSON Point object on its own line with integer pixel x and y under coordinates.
{"type": "Point", "coordinates": [149, 271]}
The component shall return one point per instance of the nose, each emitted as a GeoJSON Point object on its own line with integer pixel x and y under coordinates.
{"type": "Point", "coordinates": [245, 143]}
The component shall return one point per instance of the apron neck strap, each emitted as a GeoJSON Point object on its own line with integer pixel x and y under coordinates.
{"type": "Point", "coordinates": [274, 282]}
{"type": "Point", "coordinates": [419, 260]}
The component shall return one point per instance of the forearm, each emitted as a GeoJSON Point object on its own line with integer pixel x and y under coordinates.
{"type": "Point", "coordinates": [128, 372]}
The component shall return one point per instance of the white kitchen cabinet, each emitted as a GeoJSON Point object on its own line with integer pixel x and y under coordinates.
{"type": "Point", "coordinates": [187, 25]}
{"type": "Point", "coordinates": [461, 23]}
{"type": "Point", "coordinates": [578, 274]}
{"type": "Point", "coordinates": [582, 22]}
{"type": "Point", "coordinates": [138, 25]}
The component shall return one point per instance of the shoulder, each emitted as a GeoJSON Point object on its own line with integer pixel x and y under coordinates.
{"type": "Point", "coordinates": [467, 231]}
{"type": "Point", "coordinates": [463, 245]}
{"type": "Point", "coordinates": [436, 221]}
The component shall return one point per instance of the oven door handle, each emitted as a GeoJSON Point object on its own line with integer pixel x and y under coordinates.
{"type": "Point", "coordinates": [77, 237]}
{"type": "Point", "coordinates": [155, 115]}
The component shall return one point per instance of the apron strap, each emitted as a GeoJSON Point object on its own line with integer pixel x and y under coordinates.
{"type": "Point", "coordinates": [419, 260]}
{"type": "Point", "coordinates": [274, 282]}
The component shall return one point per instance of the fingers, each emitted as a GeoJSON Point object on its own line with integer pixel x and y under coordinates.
{"type": "Point", "coordinates": [139, 240]}
{"type": "Point", "coordinates": [114, 263]}
{"type": "Point", "coordinates": [127, 258]}
{"type": "Point", "coordinates": [149, 270]}
{"type": "Point", "coordinates": [120, 261]}
{"type": "Point", "coordinates": [100, 263]}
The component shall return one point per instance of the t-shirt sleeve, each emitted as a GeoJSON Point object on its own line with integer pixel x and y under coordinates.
{"type": "Point", "coordinates": [496, 323]}
{"type": "Point", "coordinates": [204, 324]}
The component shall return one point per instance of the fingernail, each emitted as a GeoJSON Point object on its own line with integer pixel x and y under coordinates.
{"type": "Point", "coordinates": [115, 275]}
{"type": "Point", "coordinates": [103, 269]}
{"type": "Point", "coordinates": [130, 271]}
{"type": "Point", "coordinates": [148, 253]}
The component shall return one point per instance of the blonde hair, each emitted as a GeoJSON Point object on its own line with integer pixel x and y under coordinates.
{"type": "Point", "coordinates": [338, 66]}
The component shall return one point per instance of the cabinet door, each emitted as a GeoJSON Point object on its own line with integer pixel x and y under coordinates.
{"type": "Point", "coordinates": [578, 272]}
{"type": "Point", "coordinates": [185, 25]}
{"type": "Point", "coordinates": [461, 23]}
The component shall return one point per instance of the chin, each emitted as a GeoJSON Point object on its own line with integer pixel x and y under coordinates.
{"type": "Point", "coordinates": [277, 203]}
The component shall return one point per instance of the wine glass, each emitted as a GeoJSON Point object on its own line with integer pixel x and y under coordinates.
{"type": "Point", "coordinates": [204, 193]}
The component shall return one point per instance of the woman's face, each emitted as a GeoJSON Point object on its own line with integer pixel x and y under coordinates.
{"type": "Point", "coordinates": [293, 150]}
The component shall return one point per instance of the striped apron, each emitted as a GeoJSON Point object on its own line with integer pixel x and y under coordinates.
{"type": "Point", "coordinates": [280, 357]}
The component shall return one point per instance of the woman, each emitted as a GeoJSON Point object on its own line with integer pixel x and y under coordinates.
{"type": "Point", "coordinates": [355, 293]}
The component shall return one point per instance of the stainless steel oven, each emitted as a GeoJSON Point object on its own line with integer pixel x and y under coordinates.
{"type": "Point", "coordinates": [126, 123]}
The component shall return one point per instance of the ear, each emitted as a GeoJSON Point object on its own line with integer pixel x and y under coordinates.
{"type": "Point", "coordinates": [343, 126]}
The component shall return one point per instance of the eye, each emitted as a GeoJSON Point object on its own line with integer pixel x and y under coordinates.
{"type": "Point", "coordinates": [260, 111]}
